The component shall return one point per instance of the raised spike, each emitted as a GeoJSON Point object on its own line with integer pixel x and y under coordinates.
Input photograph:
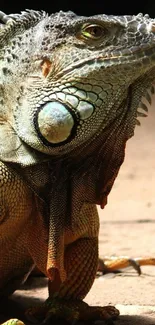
{"type": "Point", "coordinates": [153, 28]}
{"type": "Point", "coordinates": [140, 114]}
{"type": "Point", "coordinates": [28, 14]}
{"type": "Point", "coordinates": [148, 97]}
{"type": "Point", "coordinates": [143, 106]}
{"type": "Point", "coordinates": [147, 16]}
{"type": "Point", "coordinates": [4, 18]}
{"type": "Point", "coordinates": [138, 123]}
{"type": "Point", "coordinates": [18, 22]}
{"type": "Point", "coordinates": [14, 16]}
{"type": "Point", "coordinates": [140, 15]}
{"type": "Point", "coordinates": [152, 89]}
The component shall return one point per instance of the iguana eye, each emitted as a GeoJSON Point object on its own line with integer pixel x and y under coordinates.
{"type": "Point", "coordinates": [93, 31]}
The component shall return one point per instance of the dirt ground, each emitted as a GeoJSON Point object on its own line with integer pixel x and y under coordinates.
{"type": "Point", "coordinates": [127, 228]}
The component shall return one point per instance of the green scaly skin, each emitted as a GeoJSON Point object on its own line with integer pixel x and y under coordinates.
{"type": "Point", "coordinates": [69, 91]}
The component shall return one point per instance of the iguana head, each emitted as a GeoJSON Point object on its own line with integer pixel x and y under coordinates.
{"type": "Point", "coordinates": [65, 80]}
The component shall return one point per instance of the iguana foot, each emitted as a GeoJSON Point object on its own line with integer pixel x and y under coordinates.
{"type": "Point", "coordinates": [115, 263]}
{"type": "Point", "coordinates": [71, 311]}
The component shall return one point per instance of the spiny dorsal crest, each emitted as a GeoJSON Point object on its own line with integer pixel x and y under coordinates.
{"type": "Point", "coordinates": [13, 24]}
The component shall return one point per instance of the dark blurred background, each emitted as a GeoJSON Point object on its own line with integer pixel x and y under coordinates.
{"type": "Point", "coordinates": [82, 7]}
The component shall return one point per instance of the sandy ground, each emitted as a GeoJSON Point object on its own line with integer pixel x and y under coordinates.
{"type": "Point", "coordinates": [127, 228]}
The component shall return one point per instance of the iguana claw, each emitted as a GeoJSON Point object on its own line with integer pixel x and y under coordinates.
{"type": "Point", "coordinates": [115, 263]}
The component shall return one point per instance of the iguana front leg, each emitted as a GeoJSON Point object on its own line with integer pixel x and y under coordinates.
{"type": "Point", "coordinates": [81, 258]}
{"type": "Point", "coordinates": [71, 263]}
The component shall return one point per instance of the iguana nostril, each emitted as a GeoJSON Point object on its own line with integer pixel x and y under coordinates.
{"type": "Point", "coordinates": [55, 122]}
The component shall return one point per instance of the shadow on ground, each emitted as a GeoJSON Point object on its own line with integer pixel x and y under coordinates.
{"type": "Point", "coordinates": [15, 306]}
{"type": "Point", "coordinates": [135, 320]}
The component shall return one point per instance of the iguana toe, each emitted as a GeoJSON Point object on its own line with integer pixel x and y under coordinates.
{"type": "Point", "coordinates": [71, 311]}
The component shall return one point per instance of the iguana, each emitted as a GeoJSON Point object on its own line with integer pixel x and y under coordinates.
{"type": "Point", "coordinates": [69, 91]}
